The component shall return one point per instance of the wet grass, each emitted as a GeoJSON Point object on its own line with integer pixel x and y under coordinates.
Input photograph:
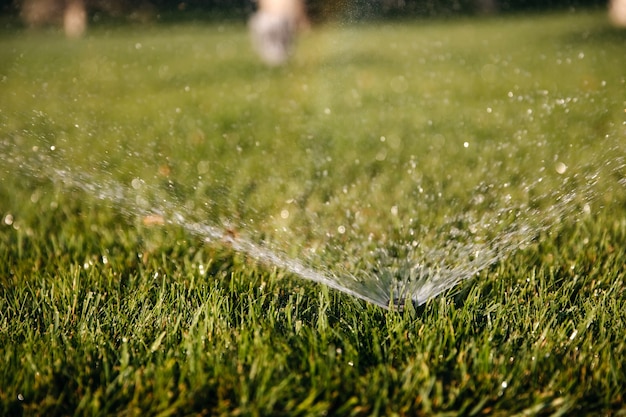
{"type": "Point", "coordinates": [374, 137]}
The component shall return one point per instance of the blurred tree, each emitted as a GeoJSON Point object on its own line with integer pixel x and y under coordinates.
{"type": "Point", "coordinates": [487, 6]}
{"type": "Point", "coordinates": [390, 8]}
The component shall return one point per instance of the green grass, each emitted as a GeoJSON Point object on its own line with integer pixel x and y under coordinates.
{"type": "Point", "coordinates": [102, 312]}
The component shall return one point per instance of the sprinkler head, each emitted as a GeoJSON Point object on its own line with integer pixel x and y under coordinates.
{"type": "Point", "coordinates": [398, 304]}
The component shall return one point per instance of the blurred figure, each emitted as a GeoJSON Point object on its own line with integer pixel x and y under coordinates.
{"type": "Point", "coordinates": [73, 16]}
{"type": "Point", "coordinates": [617, 12]}
{"type": "Point", "coordinates": [75, 19]}
{"type": "Point", "coordinates": [274, 26]}
{"type": "Point", "coordinates": [37, 13]}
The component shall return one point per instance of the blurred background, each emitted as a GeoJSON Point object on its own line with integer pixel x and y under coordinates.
{"type": "Point", "coordinates": [45, 12]}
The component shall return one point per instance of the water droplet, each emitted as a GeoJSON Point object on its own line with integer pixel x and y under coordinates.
{"type": "Point", "coordinates": [136, 183]}
{"type": "Point", "coordinates": [284, 214]}
{"type": "Point", "coordinates": [561, 168]}
{"type": "Point", "coordinates": [8, 219]}
{"type": "Point", "coordinates": [466, 144]}
{"type": "Point", "coordinates": [341, 229]}
{"type": "Point", "coordinates": [20, 397]}
{"type": "Point", "coordinates": [504, 384]}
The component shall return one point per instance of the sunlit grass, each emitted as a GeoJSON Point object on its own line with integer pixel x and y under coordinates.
{"type": "Point", "coordinates": [372, 138]}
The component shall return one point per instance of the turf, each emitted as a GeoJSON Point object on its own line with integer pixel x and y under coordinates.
{"type": "Point", "coordinates": [376, 139]}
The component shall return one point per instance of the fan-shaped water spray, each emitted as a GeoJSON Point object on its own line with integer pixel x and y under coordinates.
{"type": "Point", "coordinates": [389, 276]}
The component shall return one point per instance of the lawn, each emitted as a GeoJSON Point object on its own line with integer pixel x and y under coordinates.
{"type": "Point", "coordinates": [186, 231]}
